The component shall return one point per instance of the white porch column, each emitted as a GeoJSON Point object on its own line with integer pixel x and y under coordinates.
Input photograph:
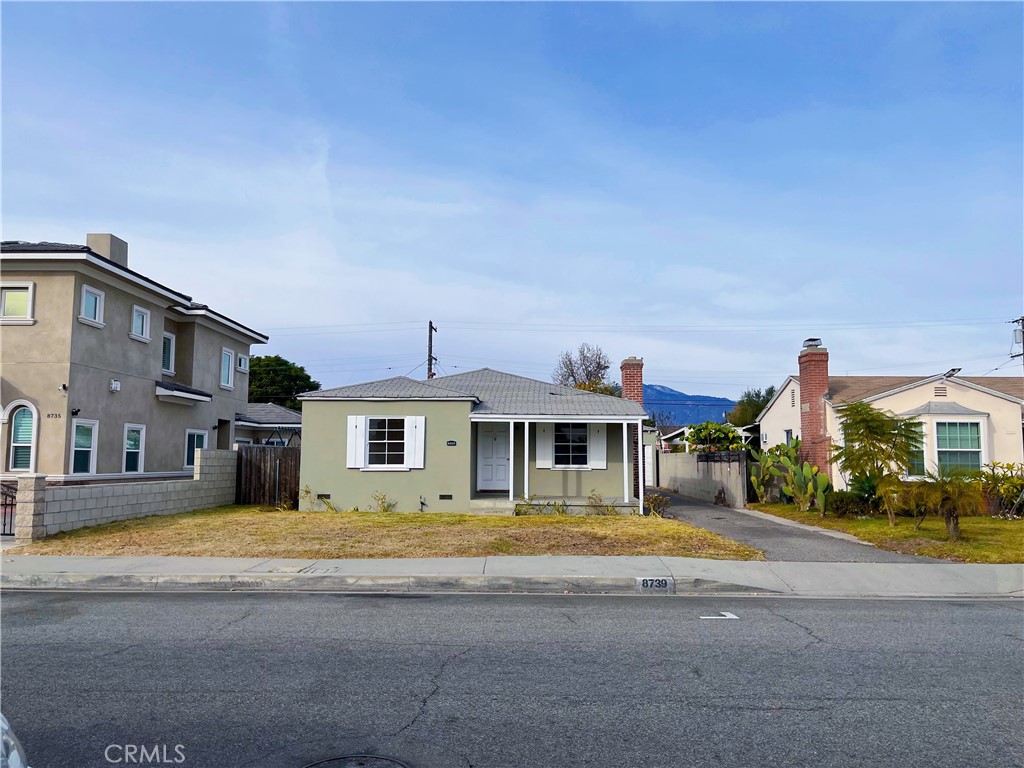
{"type": "Point", "coordinates": [512, 461]}
{"type": "Point", "coordinates": [640, 461]}
{"type": "Point", "coordinates": [627, 481]}
{"type": "Point", "coordinates": [526, 459]}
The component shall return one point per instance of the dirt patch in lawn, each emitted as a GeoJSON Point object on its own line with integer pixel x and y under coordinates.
{"type": "Point", "coordinates": [261, 532]}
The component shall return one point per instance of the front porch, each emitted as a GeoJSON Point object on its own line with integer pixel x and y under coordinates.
{"type": "Point", "coordinates": [583, 465]}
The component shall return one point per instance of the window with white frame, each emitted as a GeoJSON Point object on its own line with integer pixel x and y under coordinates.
{"type": "Point", "coordinates": [917, 467]}
{"type": "Point", "coordinates": [958, 444]}
{"type": "Point", "coordinates": [134, 448]}
{"type": "Point", "coordinates": [167, 354]}
{"type": "Point", "coordinates": [16, 303]}
{"type": "Point", "coordinates": [570, 445]}
{"type": "Point", "coordinates": [227, 368]}
{"type": "Point", "coordinates": [385, 442]}
{"type": "Point", "coordinates": [243, 363]}
{"type": "Point", "coordinates": [91, 311]}
{"type": "Point", "coordinates": [22, 434]}
{"type": "Point", "coordinates": [84, 434]}
{"type": "Point", "coordinates": [140, 324]}
{"type": "Point", "coordinates": [195, 440]}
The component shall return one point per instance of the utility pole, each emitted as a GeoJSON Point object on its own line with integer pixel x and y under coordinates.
{"type": "Point", "coordinates": [1018, 337]}
{"type": "Point", "coordinates": [431, 329]}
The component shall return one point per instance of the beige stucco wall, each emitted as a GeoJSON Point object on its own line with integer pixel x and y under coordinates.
{"type": "Point", "coordinates": [1001, 434]}
{"type": "Point", "coordinates": [781, 416]}
{"type": "Point", "coordinates": [60, 349]}
{"type": "Point", "coordinates": [445, 468]}
{"type": "Point", "coordinates": [35, 362]}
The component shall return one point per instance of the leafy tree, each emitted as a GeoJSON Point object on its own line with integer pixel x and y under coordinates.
{"type": "Point", "coordinates": [586, 368]}
{"type": "Point", "coordinates": [712, 436]}
{"type": "Point", "coordinates": [272, 379]}
{"type": "Point", "coordinates": [878, 449]}
{"type": "Point", "coordinates": [749, 406]}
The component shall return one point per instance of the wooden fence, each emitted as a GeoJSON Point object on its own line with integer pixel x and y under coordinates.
{"type": "Point", "coordinates": [268, 475]}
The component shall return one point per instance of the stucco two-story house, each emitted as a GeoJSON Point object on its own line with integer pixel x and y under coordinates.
{"type": "Point", "coordinates": [966, 421]}
{"type": "Point", "coordinates": [106, 373]}
{"type": "Point", "coordinates": [480, 441]}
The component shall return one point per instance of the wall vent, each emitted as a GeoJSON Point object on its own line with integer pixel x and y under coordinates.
{"type": "Point", "coordinates": [941, 392]}
{"type": "Point", "coordinates": [792, 398]}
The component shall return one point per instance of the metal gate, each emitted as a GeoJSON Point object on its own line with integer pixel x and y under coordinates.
{"type": "Point", "coordinates": [268, 475]}
{"type": "Point", "coordinates": [9, 493]}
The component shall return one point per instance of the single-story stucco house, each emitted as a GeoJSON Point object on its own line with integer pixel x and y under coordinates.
{"type": "Point", "coordinates": [268, 424]}
{"type": "Point", "coordinates": [966, 421]}
{"type": "Point", "coordinates": [480, 441]}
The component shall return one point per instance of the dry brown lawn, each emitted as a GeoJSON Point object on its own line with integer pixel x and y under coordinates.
{"type": "Point", "coordinates": [261, 532]}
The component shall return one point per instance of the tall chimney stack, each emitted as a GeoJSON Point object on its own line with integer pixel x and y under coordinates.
{"type": "Point", "coordinates": [632, 369]}
{"type": "Point", "coordinates": [815, 441]}
{"type": "Point", "coordinates": [109, 247]}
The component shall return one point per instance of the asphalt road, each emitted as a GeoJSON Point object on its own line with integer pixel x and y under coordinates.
{"type": "Point", "coordinates": [282, 681]}
{"type": "Point", "coordinates": [780, 542]}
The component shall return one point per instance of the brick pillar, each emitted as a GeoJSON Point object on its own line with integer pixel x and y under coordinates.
{"type": "Point", "coordinates": [28, 517]}
{"type": "Point", "coordinates": [815, 440]}
{"type": "Point", "coordinates": [632, 369]}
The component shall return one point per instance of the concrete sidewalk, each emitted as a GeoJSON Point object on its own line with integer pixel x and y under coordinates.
{"type": "Point", "coordinates": [572, 575]}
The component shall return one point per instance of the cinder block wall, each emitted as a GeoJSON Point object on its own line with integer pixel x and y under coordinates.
{"type": "Point", "coordinates": [684, 474]}
{"type": "Point", "coordinates": [65, 508]}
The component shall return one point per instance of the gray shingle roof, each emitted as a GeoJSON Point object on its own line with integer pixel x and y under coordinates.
{"type": "Point", "coordinates": [506, 393]}
{"type": "Point", "coordinates": [269, 413]}
{"type": "Point", "coordinates": [23, 246]}
{"type": "Point", "coordinates": [494, 392]}
{"type": "Point", "coordinates": [397, 388]}
{"type": "Point", "coordinates": [944, 409]}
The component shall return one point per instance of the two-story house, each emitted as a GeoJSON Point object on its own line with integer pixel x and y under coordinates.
{"type": "Point", "coordinates": [106, 373]}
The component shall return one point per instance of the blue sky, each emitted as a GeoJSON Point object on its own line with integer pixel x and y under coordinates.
{"type": "Point", "coordinates": [701, 185]}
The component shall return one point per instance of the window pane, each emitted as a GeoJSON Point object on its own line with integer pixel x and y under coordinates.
{"type": "Point", "coordinates": [21, 429]}
{"type": "Point", "coordinates": [133, 440]}
{"type": "Point", "coordinates": [398, 424]}
{"type": "Point", "coordinates": [166, 361]}
{"type": "Point", "coordinates": [200, 441]}
{"type": "Point", "coordinates": [960, 460]}
{"type": "Point", "coordinates": [378, 423]}
{"type": "Point", "coordinates": [83, 436]}
{"type": "Point", "coordinates": [378, 434]}
{"type": "Point", "coordinates": [21, 457]}
{"type": "Point", "coordinates": [15, 301]}
{"type": "Point", "coordinates": [91, 306]}
{"type": "Point", "coordinates": [81, 462]}
{"type": "Point", "coordinates": [138, 323]}
{"type": "Point", "coordinates": [131, 461]}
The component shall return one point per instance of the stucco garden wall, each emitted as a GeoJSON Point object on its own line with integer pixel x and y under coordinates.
{"type": "Point", "coordinates": [688, 476]}
{"type": "Point", "coordinates": [44, 511]}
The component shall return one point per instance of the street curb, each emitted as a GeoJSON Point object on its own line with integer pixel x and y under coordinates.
{"type": "Point", "coordinates": [573, 585]}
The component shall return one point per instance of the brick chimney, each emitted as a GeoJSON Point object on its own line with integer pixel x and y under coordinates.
{"type": "Point", "coordinates": [815, 441]}
{"type": "Point", "coordinates": [632, 369]}
{"type": "Point", "coordinates": [109, 247]}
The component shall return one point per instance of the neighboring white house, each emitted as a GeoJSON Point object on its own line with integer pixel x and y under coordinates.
{"type": "Point", "coordinates": [967, 421]}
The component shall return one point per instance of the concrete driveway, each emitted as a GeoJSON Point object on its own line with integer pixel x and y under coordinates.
{"type": "Point", "coordinates": [781, 540]}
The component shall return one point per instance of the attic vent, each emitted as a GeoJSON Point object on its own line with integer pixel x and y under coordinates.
{"type": "Point", "coordinates": [940, 392]}
{"type": "Point", "coordinates": [792, 398]}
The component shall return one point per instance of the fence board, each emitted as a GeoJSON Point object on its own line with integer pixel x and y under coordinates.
{"type": "Point", "coordinates": [268, 475]}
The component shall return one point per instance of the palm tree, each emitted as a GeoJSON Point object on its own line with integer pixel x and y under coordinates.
{"type": "Point", "coordinates": [951, 493]}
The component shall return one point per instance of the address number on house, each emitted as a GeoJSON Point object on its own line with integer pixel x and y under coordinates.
{"type": "Point", "coordinates": [659, 585]}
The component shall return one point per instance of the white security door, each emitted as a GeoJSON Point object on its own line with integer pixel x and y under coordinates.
{"type": "Point", "coordinates": [649, 465]}
{"type": "Point", "coordinates": [492, 457]}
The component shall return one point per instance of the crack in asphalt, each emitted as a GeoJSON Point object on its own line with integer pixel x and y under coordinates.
{"type": "Point", "coordinates": [435, 681]}
{"type": "Point", "coordinates": [815, 638]}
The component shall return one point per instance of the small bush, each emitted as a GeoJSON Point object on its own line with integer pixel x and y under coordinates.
{"type": "Point", "coordinates": [847, 503]}
{"type": "Point", "coordinates": [657, 504]}
{"type": "Point", "coordinates": [384, 503]}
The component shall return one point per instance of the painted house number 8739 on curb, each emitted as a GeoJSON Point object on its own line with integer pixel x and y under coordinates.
{"type": "Point", "coordinates": [654, 585]}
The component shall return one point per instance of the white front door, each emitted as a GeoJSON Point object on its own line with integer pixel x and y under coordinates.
{"type": "Point", "coordinates": [492, 457]}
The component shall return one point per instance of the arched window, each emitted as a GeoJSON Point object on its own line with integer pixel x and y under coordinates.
{"type": "Point", "coordinates": [21, 438]}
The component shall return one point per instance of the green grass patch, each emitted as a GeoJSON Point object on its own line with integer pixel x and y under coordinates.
{"type": "Point", "coordinates": [245, 531]}
{"type": "Point", "coordinates": [982, 539]}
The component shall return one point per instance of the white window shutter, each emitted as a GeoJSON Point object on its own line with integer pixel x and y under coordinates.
{"type": "Point", "coordinates": [415, 441]}
{"type": "Point", "coordinates": [597, 446]}
{"type": "Point", "coordinates": [355, 450]}
{"type": "Point", "coordinates": [545, 445]}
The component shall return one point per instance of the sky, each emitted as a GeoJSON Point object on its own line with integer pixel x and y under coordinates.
{"type": "Point", "coordinates": [701, 185]}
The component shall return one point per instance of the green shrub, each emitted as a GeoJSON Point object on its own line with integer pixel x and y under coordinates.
{"type": "Point", "coordinates": [657, 504]}
{"type": "Point", "coordinates": [847, 503]}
